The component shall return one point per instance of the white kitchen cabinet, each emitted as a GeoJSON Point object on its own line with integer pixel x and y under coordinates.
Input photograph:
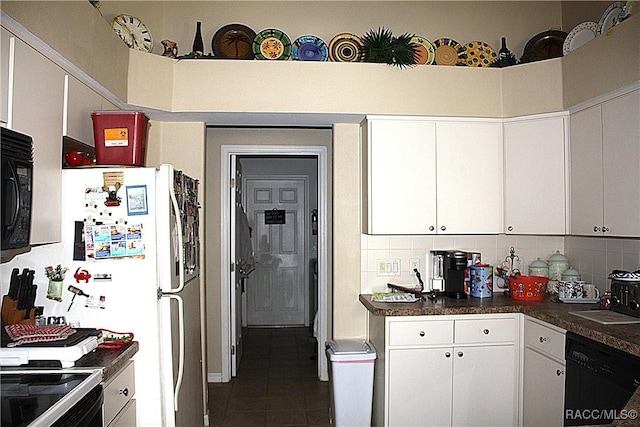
{"type": "Point", "coordinates": [427, 176]}
{"type": "Point", "coordinates": [119, 408]}
{"type": "Point", "coordinates": [5, 61]}
{"type": "Point", "coordinates": [401, 176]}
{"type": "Point", "coordinates": [469, 177]}
{"type": "Point", "coordinates": [535, 178]}
{"type": "Point", "coordinates": [81, 102]}
{"type": "Point", "coordinates": [605, 168]}
{"type": "Point", "coordinates": [543, 374]}
{"type": "Point", "coordinates": [447, 370]}
{"type": "Point", "coordinates": [38, 92]}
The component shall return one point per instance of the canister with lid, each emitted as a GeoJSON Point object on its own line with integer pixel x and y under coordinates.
{"type": "Point", "coordinates": [571, 275]}
{"type": "Point", "coordinates": [539, 268]}
{"type": "Point", "coordinates": [557, 264]}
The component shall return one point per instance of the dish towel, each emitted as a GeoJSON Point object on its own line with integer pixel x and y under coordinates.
{"type": "Point", "coordinates": [22, 334]}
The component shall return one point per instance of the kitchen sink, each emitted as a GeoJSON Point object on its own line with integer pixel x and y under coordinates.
{"type": "Point", "coordinates": [606, 317]}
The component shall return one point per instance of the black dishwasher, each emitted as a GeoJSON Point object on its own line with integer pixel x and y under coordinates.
{"type": "Point", "coordinates": [600, 381]}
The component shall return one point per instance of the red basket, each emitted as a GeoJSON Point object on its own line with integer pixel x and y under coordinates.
{"type": "Point", "coordinates": [528, 288]}
{"type": "Point", "coordinates": [114, 340]}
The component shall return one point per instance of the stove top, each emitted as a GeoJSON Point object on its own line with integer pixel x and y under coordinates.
{"type": "Point", "coordinates": [63, 353]}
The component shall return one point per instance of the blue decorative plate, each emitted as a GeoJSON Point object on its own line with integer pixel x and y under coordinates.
{"type": "Point", "coordinates": [309, 48]}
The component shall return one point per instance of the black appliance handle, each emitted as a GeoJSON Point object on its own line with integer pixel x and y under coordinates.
{"type": "Point", "coordinates": [12, 179]}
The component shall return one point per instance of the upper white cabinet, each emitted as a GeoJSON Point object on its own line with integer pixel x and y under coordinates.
{"type": "Point", "coordinates": [469, 178]}
{"type": "Point", "coordinates": [535, 175]}
{"type": "Point", "coordinates": [38, 92]}
{"type": "Point", "coordinates": [5, 55]}
{"type": "Point", "coordinates": [401, 176]}
{"type": "Point", "coordinates": [605, 168]}
{"type": "Point", "coordinates": [433, 176]}
{"type": "Point", "coordinates": [81, 101]}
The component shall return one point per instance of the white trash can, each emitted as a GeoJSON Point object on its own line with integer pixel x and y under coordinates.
{"type": "Point", "coordinates": [351, 381]}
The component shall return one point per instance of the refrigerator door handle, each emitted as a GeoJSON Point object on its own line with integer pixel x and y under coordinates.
{"type": "Point", "coordinates": [178, 224]}
{"type": "Point", "coordinates": [176, 390]}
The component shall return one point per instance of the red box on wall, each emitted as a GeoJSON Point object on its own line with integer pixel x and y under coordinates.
{"type": "Point", "coordinates": [120, 137]}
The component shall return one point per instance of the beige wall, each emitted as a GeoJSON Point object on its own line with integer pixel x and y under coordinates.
{"type": "Point", "coordinates": [79, 33]}
{"type": "Point", "coordinates": [216, 138]}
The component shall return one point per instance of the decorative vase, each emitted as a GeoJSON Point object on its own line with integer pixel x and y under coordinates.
{"type": "Point", "coordinates": [54, 291]}
{"type": "Point", "coordinates": [170, 48]}
{"type": "Point", "coordinates": [198, 44]}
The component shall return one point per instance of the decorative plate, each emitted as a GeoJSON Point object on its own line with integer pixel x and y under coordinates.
{"type": "Point", "coordinates": [233, 41]}
{"type": "Point", "coordinates": [581, 34]}
{"type": "Point", "coordinates": [346, 47]}
{"type": "Point", "coordinates": [610, 16]}
{"type": "Point", "coordinates": [272, 43]}
{"type": "Point", "coordinates": [545, 45]}
{"type": "Point", "coordinates": [309, 48]}
{"type": "Point", "coordinates": [479, 54]}
{"type": "Point", "coordinates": [448, 52]}
{"type": "Point", "coordinates": [426, 51]}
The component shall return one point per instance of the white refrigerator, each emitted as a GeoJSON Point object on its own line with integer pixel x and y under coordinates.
{"type": "Point", "coordinates": [136, 232]}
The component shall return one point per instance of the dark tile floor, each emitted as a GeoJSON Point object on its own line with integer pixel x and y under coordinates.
{"type": "Point", "coordinates": [277, 383]}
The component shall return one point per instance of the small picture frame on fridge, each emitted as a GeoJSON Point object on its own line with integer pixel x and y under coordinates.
{"type": "Point", "coordinates": [137, 200]}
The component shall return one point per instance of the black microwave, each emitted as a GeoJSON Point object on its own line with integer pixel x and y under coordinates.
{"type": "Point", "coordinates": [17, 182]}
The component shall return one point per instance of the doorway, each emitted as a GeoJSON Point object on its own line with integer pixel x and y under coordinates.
{"type": "Point", "coordinates": [232, 319]}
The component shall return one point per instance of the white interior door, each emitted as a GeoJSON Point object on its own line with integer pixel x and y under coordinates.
{"type": "Point", "coordinates": [276, 289]}
{"type": "Point", "coordinates": [236, 278]}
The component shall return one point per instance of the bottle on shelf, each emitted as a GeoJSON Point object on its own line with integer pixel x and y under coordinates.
{"type": "Point", "coordinates": [198, 44]}
{"type": "Point", "coordinates": [504, 52]}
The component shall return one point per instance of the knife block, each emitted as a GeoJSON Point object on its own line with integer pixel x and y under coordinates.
{"type": "Point", "coordinates": [11, 315]}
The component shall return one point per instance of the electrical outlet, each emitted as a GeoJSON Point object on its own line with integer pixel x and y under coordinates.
{"type": "Point", "coordinates": [414, 264]}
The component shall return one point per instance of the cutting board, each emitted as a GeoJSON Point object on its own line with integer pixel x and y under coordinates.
{"type": "Point", "coordinates": [606, 317]}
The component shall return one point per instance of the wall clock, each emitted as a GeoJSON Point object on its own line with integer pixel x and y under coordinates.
{"type": "Point", "coordinates": [133, 32]}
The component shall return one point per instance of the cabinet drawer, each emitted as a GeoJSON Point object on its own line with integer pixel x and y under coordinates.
{"type": "Point", "coordinates": [486, 331]}
{"type": "Point", "coordinates": [421, 332]}
{"type": "Point", "coordinates": [126, 417]}
{"type": "Point", "coordinates": [118, 392]}
{"type": "Point", "coordinates": [544, 338]}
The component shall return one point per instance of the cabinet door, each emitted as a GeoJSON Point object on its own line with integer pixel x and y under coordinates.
{"type": "Point", "coordinates": [401, 177]}
{"type": "Point", "coordinates": [534, 164]}
{"type": "Point", "coordinates": [419, 390]}
{"type": "Point", "coordinates": [81, 102]}
{"type": "Point", "coordinates": [543, 390]}
{"type": "Point", "coordinates": [38, 94]}
{"type": "Point", "coordinates": [5, 62]}
{"type": "Point", "coordinates": [586, 172]}
{"type": "Point", "coordinates": [484, 386]}
{"type": "Point", "coordinates": [469, 199]}
{"type": "Point", "coordinates": [621, 164]}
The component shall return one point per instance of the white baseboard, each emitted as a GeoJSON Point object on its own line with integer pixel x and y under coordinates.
{"type": "Point", "coordinates": [214, 377]}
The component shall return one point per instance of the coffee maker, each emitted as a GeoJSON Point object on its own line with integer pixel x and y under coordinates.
{"type": "Point", "coordinates": [455, 264]}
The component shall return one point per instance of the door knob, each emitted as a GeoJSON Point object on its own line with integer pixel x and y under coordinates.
{"type": "Point", "coordinates": [596, 228]}
{"type": "Point", "coordinates": [460, 354]}
{"type": "Point", "coordinates": [447, 354]}
{"type": "Point", "coordinates": [443, 228]}
{"type": "Point", "coordinates": [510, 228]}
{"type": "Point", "coordinates": [431, 228]}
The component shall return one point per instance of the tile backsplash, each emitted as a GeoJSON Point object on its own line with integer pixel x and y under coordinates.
{"type": "Point", "coordinates": [593, 257]}
{"type": "Point", "coordinates": [596, 257]}
{"type": "Point", "coordinates": [494, 250]}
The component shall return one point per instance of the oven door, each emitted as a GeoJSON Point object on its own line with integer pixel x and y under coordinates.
{"type": "Point", "coordinates": [51, 398]}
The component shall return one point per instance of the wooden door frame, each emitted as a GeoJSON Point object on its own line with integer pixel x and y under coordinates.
{"type": "Point", "coordinates": [228, 154]}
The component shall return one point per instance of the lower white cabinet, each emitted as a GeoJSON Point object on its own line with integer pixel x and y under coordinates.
{"type": "Point", "coordinates": [446, 370]}
{"type": "Point", "coordinates": [119, 404]}
{"type": "Point", "coordinates": [543, 374]}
